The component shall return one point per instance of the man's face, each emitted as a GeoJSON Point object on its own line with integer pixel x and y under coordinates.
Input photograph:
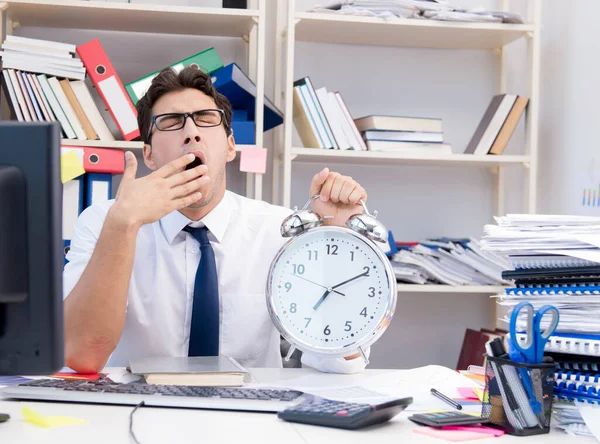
{"type": "Point", "coordinates": [211, 145]}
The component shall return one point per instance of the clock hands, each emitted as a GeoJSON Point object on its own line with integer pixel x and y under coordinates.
{"type": "Point", "coordinates": [365, 273]}
{"type": "Point", "coordinates": [331, 289]}
{"type": "Point", "coordinates": [308, 280]}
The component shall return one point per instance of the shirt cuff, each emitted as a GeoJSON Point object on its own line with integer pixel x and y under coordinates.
{"type": "Point", "coordinates": [328, 364]}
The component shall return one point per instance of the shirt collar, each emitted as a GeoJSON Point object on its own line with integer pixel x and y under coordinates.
{"type": "Point", "coordinates": [216, 221]}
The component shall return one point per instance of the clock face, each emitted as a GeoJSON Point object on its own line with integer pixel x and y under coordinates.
{"type": "Point", "coordinates": [330, 291]}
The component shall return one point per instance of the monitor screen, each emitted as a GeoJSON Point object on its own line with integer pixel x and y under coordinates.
{"type": "Point", "coordinates": [31, 258]}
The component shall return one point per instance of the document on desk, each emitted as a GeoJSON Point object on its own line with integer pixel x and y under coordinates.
{"type": "Point", "coordinates": [591, 416]}
{"type": "Point", "coordinates": [415, 383]}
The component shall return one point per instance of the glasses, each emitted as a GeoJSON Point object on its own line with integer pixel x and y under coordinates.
{"type": "Point", "coordinates": [204, 118]}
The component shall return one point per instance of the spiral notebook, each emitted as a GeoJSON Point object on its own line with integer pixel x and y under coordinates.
{"type": "Point", "coordinates": [567, 397]}
{"type": "Point", "coordinates": [574, 344]}
{"type": "Point", "coordinates": [547, 261]}
{"type": "Point", "coordinates": [589, 378]}
{"type": "Point", "coordinates": [586, 288]}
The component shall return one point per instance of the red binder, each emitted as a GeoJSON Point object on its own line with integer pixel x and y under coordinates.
{"type": "Point", "coordinates": [109, 86]}
{"type": "Point", "coordinates": [103, 160]}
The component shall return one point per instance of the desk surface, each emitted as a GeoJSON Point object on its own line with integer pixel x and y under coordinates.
{"type": "Point", "coordinates": [110, 424]}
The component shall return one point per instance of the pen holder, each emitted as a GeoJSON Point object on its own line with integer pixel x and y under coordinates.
{"type": "Point", "coordinates": [519, 396]}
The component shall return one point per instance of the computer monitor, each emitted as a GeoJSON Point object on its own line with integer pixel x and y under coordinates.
{"type": "Point", "coordinates": [31, 258]}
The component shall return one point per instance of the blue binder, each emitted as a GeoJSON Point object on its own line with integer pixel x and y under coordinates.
{"type": "Point", "coordinates": [241, 92]}
{"type": "Point", "coordinates": [73, 204]}
{"type": "Point", "coordinates": [98, 188]}
{"type": "Point", "coordinates": [239, 115]}
{"type": "Point", "coordinates": [243, 132]}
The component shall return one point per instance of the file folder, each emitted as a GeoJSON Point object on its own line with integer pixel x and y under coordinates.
{"type": "Point", "coordinates": [241, 92]}
{"type": "Point", "coordinates": [72, 208]}
{"type": "Point", "coordinates": [103, 160]}
{"type": "Point", "coordinates": [109, 86]}
{"type": "Point", "coordinates": [243, 132]}
{"type": "Point", "coordinates": [98, 188]}
{"type": "Point", "coordinates": [208, 61]}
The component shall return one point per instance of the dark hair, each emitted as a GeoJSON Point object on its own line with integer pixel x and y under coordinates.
{"type": "Point", "coordinates": [167, 81]}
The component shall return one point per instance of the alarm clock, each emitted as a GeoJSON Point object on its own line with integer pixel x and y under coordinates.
{"type": "Point", "coordinates": [331, 290]}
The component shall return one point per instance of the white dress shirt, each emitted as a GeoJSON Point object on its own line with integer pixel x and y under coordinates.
{"type": "Point", "coordinates": [245, 236]}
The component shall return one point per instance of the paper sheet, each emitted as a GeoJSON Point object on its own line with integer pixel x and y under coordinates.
{"type": "Point", "coordinates": [36, 418]}
{"type": "Point", "coordinates": [591, 416]}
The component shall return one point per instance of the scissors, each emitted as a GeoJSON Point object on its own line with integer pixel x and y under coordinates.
{"type": "Point", "coordinates": [532, 350]}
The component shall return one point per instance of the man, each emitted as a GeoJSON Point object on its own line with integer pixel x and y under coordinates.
{"type": "Point", "coordinates": [137, 284]}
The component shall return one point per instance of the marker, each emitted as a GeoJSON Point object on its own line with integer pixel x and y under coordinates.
{"type": "Point", "coordinates": [444, 398]}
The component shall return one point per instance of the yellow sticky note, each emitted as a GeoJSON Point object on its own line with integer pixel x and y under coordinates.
{"type": "Point", "coordinates": [481, 394]}
{"type": "Point", "coordinates": [36, 418]}
{"type": "Point", "coordinates": [70, 167]}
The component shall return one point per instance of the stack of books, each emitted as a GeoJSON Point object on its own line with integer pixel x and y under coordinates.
{"type": "Point", "coordinates": [407, 135]}
{"type": "Point", "coordinates": [447, 261]}
{"type": "Point", "coordinates": [556, 261]}
{"type": "Point", "coordinates": [324, 121]}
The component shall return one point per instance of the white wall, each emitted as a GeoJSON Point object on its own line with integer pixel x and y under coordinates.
{"type": "Point", "coordinates": [423, 202]}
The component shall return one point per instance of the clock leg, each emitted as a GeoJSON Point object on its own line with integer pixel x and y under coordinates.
{"type": "Point", "coordinates": [364, 356]}
{"type": "Point", "coordinates": [290, 352]}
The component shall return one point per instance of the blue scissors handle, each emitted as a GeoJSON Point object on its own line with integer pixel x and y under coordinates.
{"type": "Point", "coordinates": [525, 351]}
{"type": "Point", "coordinates": [532, 349]}
{"type": "Point", "coordinates": [542, 336]}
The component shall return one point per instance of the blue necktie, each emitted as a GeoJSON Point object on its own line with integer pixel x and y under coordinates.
{"type": "Point", "coordinates": [204, 331]}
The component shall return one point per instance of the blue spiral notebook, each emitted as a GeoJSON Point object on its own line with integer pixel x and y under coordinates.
{"type": "Point", "coordinates": [570, 343]}
{"type": "Point", "coordinates": [566, 397]}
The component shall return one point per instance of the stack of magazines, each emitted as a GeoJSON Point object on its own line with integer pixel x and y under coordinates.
{"type": "Point", "coordinates": [556, 260]}
{"type": "Point", "coordinates": [448, 261]}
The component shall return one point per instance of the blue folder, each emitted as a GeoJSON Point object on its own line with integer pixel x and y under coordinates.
{"type": "Point", "coordinates": [98, 188]}
{"type": "Point", "coordinates": [243, 132]}
{"type": "Point", "coordinates": [73, 205]}
{"type": "Point", "coordinates": [241, 92]}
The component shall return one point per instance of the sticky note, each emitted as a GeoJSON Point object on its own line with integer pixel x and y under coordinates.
{"type": "Point", "coordinates": [481, 394]}
{"type": "Point", "coordinates": [467, 393]}
{"type": "Point", "coordinates": [253, 160]}
{"type": "Point", "coordinates": [36, 418]}
{"type": "Point", "coordinates": [70, 167]}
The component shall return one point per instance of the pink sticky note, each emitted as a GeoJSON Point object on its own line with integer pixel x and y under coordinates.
{"type": "Point", "coordinates": [253, 160]}
{"type": "Point", "coordinates": [450, 435]}
{"type": "Point", "coordinates": [467, 393]}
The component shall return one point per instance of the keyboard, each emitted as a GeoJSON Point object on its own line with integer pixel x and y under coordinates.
{"type": "Point", "coordinates": [290, 405]}
{"type": "Point", "coordinates": [132, 393]}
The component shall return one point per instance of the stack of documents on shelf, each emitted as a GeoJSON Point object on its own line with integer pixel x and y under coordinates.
{"type": "Point", "coordinates": [418, 9]}
{"type": "Point", "coordinates": [405, 135]}
{"type": "Point", "coordinates": [447, 261]}
{"type": "Point", "coordinates": [556, 260]}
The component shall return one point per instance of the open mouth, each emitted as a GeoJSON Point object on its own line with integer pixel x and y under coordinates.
{"type": "Point", "coordinates": [196, 162]}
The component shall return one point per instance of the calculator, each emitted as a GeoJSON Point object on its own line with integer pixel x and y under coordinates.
{"type": "Point", "coordinates": [344, 415]}
{"type": "Point", "coordinates": [440, 419]}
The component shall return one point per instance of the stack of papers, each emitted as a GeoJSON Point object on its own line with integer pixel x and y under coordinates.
{"type": "Point", "coordinates": [448, 261]}
{"type": "Point", "coordinates": [418, 9]}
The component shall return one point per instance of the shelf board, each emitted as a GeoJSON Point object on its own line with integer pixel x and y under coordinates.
{"type": "Point", "coordinates": [116, 144]}
{"type": "Point", "coordinates": [111, 16]}
{"type": "Point", "coordinates": [386, 158]}
{"type": "Point", "coordinates": [332, 28]}
{"type": "Point", "coordinates": [432, 288]}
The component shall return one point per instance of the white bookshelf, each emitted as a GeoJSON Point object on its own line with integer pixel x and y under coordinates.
{"type": "Point", "coordinates": [247, 24]}
{"type": "Point", "coordinates": [462, 289]}
{"type": "Point", "coordinates": [293, 26]}
{"type": "Point", "coordinates": [330, 28]}
{"type": "Point", "coordinates": [119, 144]}
{"type": "Point", "coordinates": [351, 157]}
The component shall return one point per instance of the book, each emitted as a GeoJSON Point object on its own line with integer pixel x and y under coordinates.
{"type": "Point", "coordinates": [201, 371]}
{"type": "Point", "coordinates": [509, 126]}
{"type": "Point", "coordinates": [490, 124]}
{"type": "Point", "coordinates": [403, 136]}
{"type": "Point", "coordinates": [399, 123]}
{"type": "Point", "coordinates": [412, 148]}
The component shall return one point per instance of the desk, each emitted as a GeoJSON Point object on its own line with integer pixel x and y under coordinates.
{"type": "Point", "coordinates": [110, 424]}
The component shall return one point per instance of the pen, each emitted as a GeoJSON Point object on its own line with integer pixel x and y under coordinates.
{"type": "Point", "coordinates": [444, 398]}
